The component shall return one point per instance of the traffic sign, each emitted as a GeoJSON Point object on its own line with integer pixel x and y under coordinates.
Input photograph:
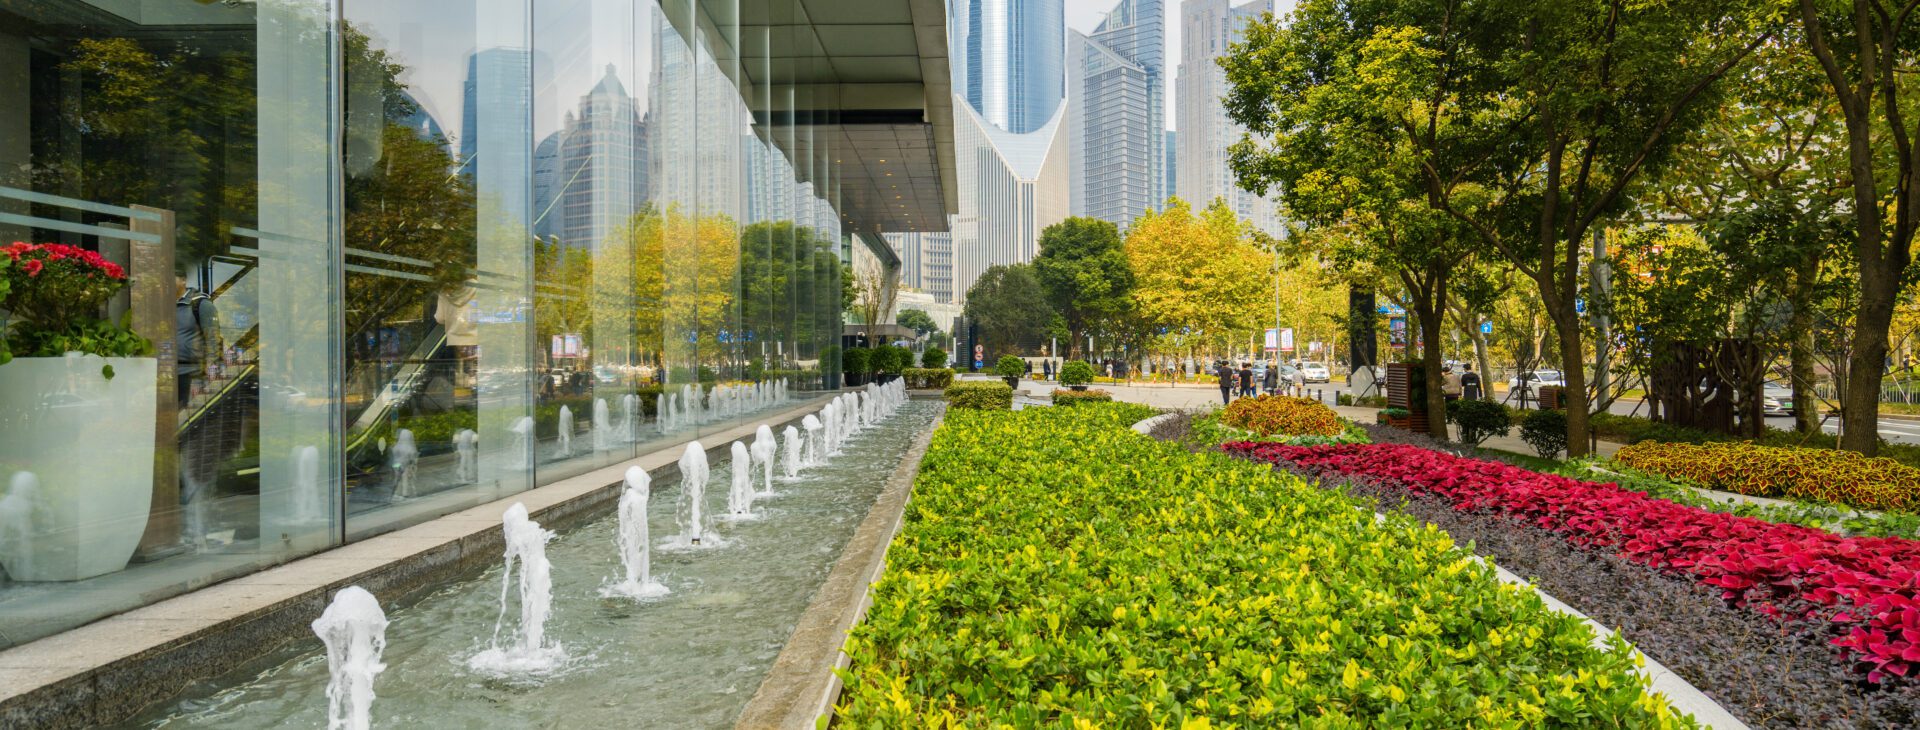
{"type": "Point", "coordinates": [1486, 328]}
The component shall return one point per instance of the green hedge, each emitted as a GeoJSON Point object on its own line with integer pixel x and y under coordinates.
{"type": "Point", "coordinates": [1065, 397]}
{"type": "Point", "coordinates": [923, 378]}
{"type": "Point", "coordinates": [981, 395]}
{"type": "Point", "coordinates": [1057, 570]}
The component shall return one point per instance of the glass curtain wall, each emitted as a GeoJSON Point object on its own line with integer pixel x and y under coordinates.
{"type": "Point", "coordinates": [393, 260]}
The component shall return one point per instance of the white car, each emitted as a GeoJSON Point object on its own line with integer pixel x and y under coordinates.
{"type": "Point", "coordinates": [1535, 379]}
{"type": "Point", "coordinates": [1316, 373]}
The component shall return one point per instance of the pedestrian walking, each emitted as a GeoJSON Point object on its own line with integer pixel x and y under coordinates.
{"type": "Point", "coordinates": [1300, 382]}
{"type": "Point", "coordinates": [1246, 379]}
{"type": "Point", "coordinates": [1046, 369]}
{"type": "Point", "coordinates": [1224, 373]}
{"type": "Point", "coordinates": [1470, 383]}
{"type": "Point", "coordinates": [1272, 384]}
{"type": "Point", "coordinates": [1450, 384]}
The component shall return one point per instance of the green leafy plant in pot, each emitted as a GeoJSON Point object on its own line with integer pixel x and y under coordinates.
{"type": "Point", "coordinates": [1076, 375]}
{"type": "Point", "coordinates": [1010, 368]}
{"type": "Point", "coordinates": [77, 414]}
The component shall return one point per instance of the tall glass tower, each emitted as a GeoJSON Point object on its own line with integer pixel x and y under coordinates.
{"type": "Point", "coordinates": [1014, 70]}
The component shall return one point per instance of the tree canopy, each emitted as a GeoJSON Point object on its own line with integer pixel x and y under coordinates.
{"type": "Point", "coordinates": [1085, 275]}
{"type": "Point", "coordinates": [1009, 306]}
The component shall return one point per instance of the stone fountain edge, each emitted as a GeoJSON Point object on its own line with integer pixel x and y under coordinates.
{"type": "Point", "coordinates": [109, 670]}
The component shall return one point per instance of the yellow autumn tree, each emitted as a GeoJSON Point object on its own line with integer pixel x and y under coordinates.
{"type": "Point", "coordinates": [1198, 280]}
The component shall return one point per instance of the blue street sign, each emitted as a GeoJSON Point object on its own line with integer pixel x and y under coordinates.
{"type": "Point", "coordinates": [1580, 306]}
{"type": "Point", "coordinates": [979, 363]}
{"type": "Point", "coordinates": [1486, 328]}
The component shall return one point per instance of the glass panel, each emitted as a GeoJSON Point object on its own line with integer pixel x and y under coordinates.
{"type": "Point", "coordinates": [436, 164]}
{"type": "Point", "coordinates": [189, 145]}
{"type": "Point", "coordinates": [589, 185]}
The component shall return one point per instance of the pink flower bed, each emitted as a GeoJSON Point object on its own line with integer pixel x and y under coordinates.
{"type": "Point", "coordinates": [1780, 570]}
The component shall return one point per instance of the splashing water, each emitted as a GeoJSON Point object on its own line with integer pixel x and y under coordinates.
{"type": "Point", "coordinates": [763, 451]}
{"type": "Point", "coordinates": [814, 455]}
{"type": "Point", "coordinates": [635, 548]}
{"type": "Point", "coordinates": [404, 459]}
{"type": "Point", "coordinates": [692, 514]}
{"type": "Point", "coordinates": [466, 444]}
{"type": "Point", "coordinates": [630, 418]}
{"type": "Point", "coordinates": [566, 431]}
{"type": "Point", "coordinates": [604, 436]}
{"type": "Point", "coordinates": [740, 492]}
{"type": "Point", "coordinates": [528, 651]}
{"type": "Point", "coordinates": [792, 452]}
{"type": "Point", "coordinates": [355, 631]}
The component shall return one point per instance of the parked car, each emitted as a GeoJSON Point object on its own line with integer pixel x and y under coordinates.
{"type": "Point", "coordinates": [1536, 379]}
{"type": "Point", "coordinates": [1317, 372]}
{"type": "Point", "coordinates": [1776, 399]}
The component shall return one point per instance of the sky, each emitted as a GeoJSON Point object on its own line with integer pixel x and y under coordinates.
{"type": "Point", "coordinates": [1084, 15]}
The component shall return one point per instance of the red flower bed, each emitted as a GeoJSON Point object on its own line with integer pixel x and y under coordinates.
{"type": "Point", "coordinates": [1777, 569]}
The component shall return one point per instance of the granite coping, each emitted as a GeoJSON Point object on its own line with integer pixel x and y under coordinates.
{"type": "Point", "coordinates": [801, 687]}
{"type": "Point", "coordinates": [112, 668]}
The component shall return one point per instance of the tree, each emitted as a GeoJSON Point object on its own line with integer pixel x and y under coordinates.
{"type": "Point", "coordinates": [1758, 179]}
{"type": "Point", "coordinates": [1009, 306]}
{"type": "Point", "coordinates": [1084, 272]}
{"type": "Point", "coordinates": [1528, 122]}
{"type": "Point", "coordinates": [1343, 157]}
{"type": "Point", "coordinates": [873, 296]}
{"type": "Point", "coordinates": [1861, 47]}
{"type": "Point", "coordinates": [918, 321]}
{"type": "Point", "coordinates": [1196, 278]}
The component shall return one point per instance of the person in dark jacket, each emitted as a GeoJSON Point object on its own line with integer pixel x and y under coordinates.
{"type": "Point", "coordinates": [1470, 383]}
{"type": "Point", "coordinates": [1271, 382]}
{"type": "Point", "coordinates": [1246, 379]}
{"type": "Point", "coordinates": [1225, 374]}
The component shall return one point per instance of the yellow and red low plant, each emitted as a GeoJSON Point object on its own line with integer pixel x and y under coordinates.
{"type": "Point", "coordinates": [1283, 414]}
{"type": "Point", "coordinates": [1823, 475]}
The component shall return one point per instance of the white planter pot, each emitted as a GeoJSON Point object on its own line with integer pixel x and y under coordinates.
{"type": "Point", "coordinates": [76, 464]}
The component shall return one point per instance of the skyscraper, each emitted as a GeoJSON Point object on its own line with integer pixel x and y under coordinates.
{"type": "Point", "coordinates": [1010, 142]}
{"type": "Point", "coordinates": [589, 176]}
{"type": "Point", "coordinates": [1014, 66]}
{"type": "Point", "coordinates": [1207, 28]}
{"type": "Point", "coordinates": [926, 262]}
{"type": "Point", "coordinates": [496, 81]}
{"type": "Point", "coordinates": [1118, 93]}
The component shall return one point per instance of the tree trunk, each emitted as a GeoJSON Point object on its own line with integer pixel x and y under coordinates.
{"type": "Point", "coordinates": [1430, 357]}
{"type": "Point", "coordinates": [1866, 365]}
{"type": "Point", "coordinates": [1566, 324]}
{"type": "Point", "coordinates": [1806, 419]}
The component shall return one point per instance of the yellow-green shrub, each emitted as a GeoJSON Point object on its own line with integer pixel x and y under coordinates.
{"type": "Point", "coordinates": [1055, 569]}
{"type": "Point", "coordinates": [1064, 397]}
{"type": "Point", "coordinates": [1283, 414]}
{"type": "Point", "coordinates": [980, 395]}
{"type": "Point", "coordinates": [921, 378]}
{"type": "Point", "coordinates": [1823, 475]}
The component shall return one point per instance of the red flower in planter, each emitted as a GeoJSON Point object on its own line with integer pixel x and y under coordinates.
{"type": "Point", "coordinates": [1774, 569]}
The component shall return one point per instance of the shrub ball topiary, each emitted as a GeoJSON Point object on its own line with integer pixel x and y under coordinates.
{"type": "Point", "coordinates": [1009, 366]}
{"type": "Point", "coordinates": [980, 395]}
{"type": "Point", "coordinates": [1546, 432]}
{"type": "Point", "coordinates": [934, 357]}
{"type": "Point", "coordinates": [1479, 420]}
{"type": "Point", "coordinates": [856, 360]}
{"type": "Point", "coordinates": [1076, 372]}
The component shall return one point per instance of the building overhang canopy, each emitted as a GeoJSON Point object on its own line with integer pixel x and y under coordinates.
{"type": "Point", "coordinates": [866, 87]}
